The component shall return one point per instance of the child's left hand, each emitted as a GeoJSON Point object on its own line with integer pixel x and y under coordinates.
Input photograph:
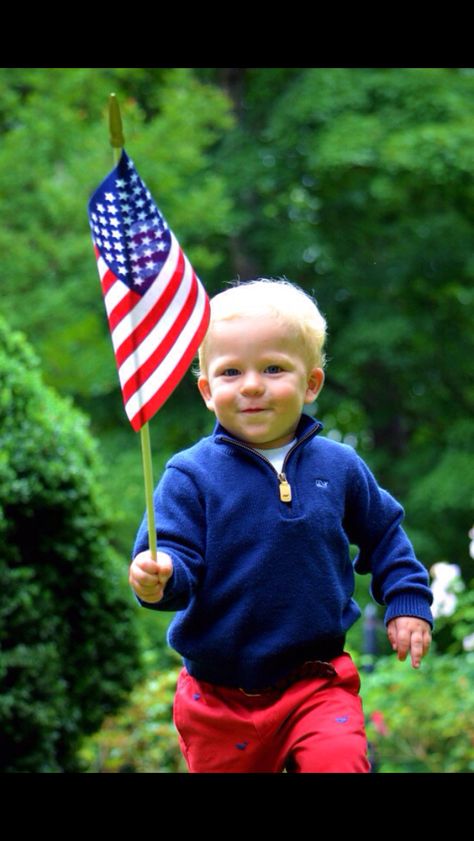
{"type": "Point", "coordinates": [409, 634]}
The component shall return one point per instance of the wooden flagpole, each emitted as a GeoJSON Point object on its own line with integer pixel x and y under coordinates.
{"type": "Point", "coordinates": [117, 142]}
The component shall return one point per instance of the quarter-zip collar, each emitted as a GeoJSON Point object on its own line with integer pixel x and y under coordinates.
{"type": "Point", "coordinates": [306, 429]}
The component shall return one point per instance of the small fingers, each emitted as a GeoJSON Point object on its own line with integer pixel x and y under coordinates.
{"type": "Point", "coordinates": [148, 577]}
{"type": "Point", "coordinates": [416, 648]}
{"type": "Point", "coordinates": [164, 566]}
{"type": "Point", "coordinates": [410, 635]}
{"type": "Point", "coordinates": [403, 643]}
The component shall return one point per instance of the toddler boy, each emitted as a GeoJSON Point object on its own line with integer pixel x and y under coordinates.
{"type": "Point", "coordinates": [254, 524]}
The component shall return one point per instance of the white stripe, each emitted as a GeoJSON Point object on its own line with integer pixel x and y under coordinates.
{"type": "Point", "coordinates": [102, 266]}
{"type": "Point", "coordinates": [160, 330]}
{"type": "Point", "coordinates": [171, 361]}
{"type": "Point", "coordinates": [115, 294]}
{"type": "Point", "coordinates": [130, 322]}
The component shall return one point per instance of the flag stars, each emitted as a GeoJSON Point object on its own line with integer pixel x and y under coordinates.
{"type": "Point", "coordinates": [129, 228]}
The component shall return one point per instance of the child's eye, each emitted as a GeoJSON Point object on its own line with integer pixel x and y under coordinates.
{"type": "Point", "coordinates": [273, 369]}
{"type": "Point", "coordinates": [230, 372]}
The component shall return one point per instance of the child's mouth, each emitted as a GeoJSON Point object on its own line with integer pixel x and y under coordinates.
{"type": "Point", "coordinates": [251, 411]}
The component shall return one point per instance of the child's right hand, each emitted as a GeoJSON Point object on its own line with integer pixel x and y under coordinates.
{"type": "Point", "coordinates": [148, 578]}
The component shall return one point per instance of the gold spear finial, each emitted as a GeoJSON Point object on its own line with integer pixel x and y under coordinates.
{"type": "Point", "coordinates": [117, 139]}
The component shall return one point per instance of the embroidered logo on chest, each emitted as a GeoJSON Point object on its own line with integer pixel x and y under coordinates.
{"type": "Point", "coordinates": [322, 483]}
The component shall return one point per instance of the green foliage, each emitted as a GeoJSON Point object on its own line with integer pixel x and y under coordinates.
{"type": "Point", "coordinates": [421, 721]}
{"type": "Point", "coordinates": [142, 738]}
{"type": "Point", "coordinates": [68, 650]}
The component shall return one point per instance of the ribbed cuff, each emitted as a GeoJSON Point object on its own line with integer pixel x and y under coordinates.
{"type": "Point", "coordinates": [409, 605]}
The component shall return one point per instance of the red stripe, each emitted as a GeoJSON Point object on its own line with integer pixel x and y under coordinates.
{"type": "Point", "coordinates": [124, 306]}
{"type": "Point", "coordinates": [108, 281]}
{"type": "Point", "coordinates": [153, 316]}
{"type": "Point", "coordinates": [142, 373]}
{"type": "Point", "coordinates": [148, 410]}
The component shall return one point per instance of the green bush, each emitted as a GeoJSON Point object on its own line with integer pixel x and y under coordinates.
{"type": "Point", "coordinates": [68, 650]}
{"type": "Point", "coordinates": [141, 738]}
{"type": "Point", "coordinates": [421, 721]}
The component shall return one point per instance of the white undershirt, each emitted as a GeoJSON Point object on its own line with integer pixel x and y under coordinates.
{"type": "Point", "coordinates": [277, 455]}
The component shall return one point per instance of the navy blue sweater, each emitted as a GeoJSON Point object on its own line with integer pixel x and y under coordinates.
{"type": "Point", "coordinates": [262, 584]}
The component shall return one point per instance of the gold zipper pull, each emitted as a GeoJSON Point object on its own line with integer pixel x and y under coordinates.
{"type": "Point", "coordinates": [285, 488]}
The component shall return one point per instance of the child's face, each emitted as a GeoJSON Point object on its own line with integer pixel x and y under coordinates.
{"type": "Point", "coordinates": [257, 380]}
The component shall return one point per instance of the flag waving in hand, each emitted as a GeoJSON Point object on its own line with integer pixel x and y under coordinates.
{"type": "Point", "coordinates": [158, 310]}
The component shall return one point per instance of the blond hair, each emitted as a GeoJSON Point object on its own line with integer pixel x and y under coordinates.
{"type": "Point", "coordinates": [280, 299]}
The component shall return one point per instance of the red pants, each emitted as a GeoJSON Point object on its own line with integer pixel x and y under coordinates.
{"type": "Point", "coordinates": [315, 725]}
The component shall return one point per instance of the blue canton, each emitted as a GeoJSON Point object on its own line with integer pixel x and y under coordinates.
{"type": "Point", "coordinates": [127, 227]}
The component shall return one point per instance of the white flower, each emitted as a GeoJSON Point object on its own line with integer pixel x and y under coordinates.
{"type": "Point", "coordinates": [468, 643]}
{"type": "Point", "coordinates": [446, 579]}
{"type": "Point", "coordinates": [471, 545]}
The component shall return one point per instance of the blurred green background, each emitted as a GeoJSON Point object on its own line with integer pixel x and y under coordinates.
{"type": "Point", "coordinates": [357, 183]}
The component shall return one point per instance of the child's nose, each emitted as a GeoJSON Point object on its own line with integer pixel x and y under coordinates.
{"type": "Point", "coordinates": [252, 384]}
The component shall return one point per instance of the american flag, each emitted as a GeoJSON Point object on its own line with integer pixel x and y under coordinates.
{"type": "Point", "coordinates": [158, 310]}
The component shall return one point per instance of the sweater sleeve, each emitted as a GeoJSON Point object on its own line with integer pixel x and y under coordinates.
{"type": "Point", "coordinates": [179, 521]}
{"type": "Point", "coordinates": [373, 523]}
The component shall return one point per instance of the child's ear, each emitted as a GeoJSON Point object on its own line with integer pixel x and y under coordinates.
{"type": "Point", "coordinates": [205, 392]}
{"type": "Point", "coordinates": [315, 384]}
